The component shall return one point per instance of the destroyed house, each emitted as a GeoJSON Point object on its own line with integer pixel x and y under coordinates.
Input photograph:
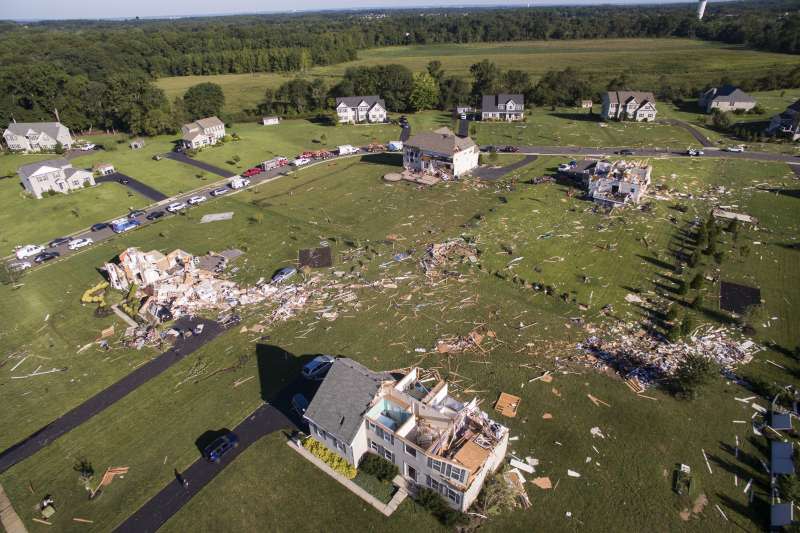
{"type": "Point", "coordinates": [410, 420]}
{"type": "Point", "coordinates": [440, 153]}
{"type": "Point", "coordinates": [618, 183]}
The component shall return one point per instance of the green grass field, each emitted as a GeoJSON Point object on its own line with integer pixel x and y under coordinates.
{"type": "Point", "coordinates": [599, 60]}
{"type": "Point", "coordinates": [153, 429]}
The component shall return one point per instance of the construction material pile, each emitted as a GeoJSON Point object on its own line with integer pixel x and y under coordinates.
{"type": "Point", "coordinates": [440, 257]}
{"type": "Point", "coordinates": [454, 345]}
{"type": "Point", "coordinates": [635, 354]}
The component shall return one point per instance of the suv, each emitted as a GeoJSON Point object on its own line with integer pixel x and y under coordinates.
{"type": "Point", "coordinates": [299, 404]}
{"type": "Point", "coordinates": [175, 207]}
{"type": "Point", "coordinates": [317, 368]}
{"type": "Point", "coordinates": [221, 445]}
{"type": "Point", "coordinates": [28, 250]}
{"type": "Point", "coordinates": [218, 192]}
{"type": "Point", "coordinates": [76, 244]}
{"type": "Point", "coordinates": [155, 215]}
{"type": "Point", "coordinates": [58, 242]}
{"type": "Point", "coordinates": [194, 200]}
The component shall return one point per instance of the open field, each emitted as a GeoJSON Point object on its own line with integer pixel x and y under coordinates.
{"type": "Point", "coordinates": [599, 60]}
{"type": "Point", "coordinates": [344, 202]}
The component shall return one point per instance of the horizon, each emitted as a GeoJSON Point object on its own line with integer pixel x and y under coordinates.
{"type": "Point", "coordinates": [97, 10]}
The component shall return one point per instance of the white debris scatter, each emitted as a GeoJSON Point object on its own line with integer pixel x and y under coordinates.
{"type": "Point", "coordinates": [572, 473]}
{"type": "Point", "coordinates": [216, 217]}
{"type": "Point", "coordinates": [634, 353]}
{"type": "Point", "coordinates": [595, 431]}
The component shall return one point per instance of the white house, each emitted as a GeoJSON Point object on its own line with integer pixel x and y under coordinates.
{"type": "Point", "coordinates": [270, 121]}
{"type": "Point", "coordinates": [787, 124]}
{"type": "Point", "coordinates": [53, 175]}
{"type": "Point", "coordinates": [410, 420]}
{"type": "Point", "coordinates": [37, 136]}
{"type": "Point", "coordinates": [726, 98]}
{"type": "Point", "coordinates": [104, 169]}
{"type": "Point", "coordinates": [508, 107]}
{"type": "Point", "coordinates": [440, 152]}
{"type": "Point", "coordinates": [632, 105]}
{"type": "Point", "coordinates": [355, 109]}
{"type": "Point", "coordinates": [203, 132]}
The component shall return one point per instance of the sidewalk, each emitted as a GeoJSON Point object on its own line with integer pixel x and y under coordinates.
{"type": "Point", "coordinates": [9, 518]}
{"type": "Point", "coordinates": [385, 508]}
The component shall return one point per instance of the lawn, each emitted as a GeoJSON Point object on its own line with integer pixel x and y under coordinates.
{"type": "Point", "coordinates": [367, 221]}
{"type": "Point", "coordinates": [24, 219]}
{"type": "Point", "coordinates": [600, 60]}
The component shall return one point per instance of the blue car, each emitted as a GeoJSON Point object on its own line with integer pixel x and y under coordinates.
{"type": "Point", "coordinates": [221, 445]}
{"type": "Point", "coordinates": [299, 404]}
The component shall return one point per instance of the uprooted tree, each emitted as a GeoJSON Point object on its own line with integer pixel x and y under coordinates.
{"type": "Point", "coordinates": [694, 372]}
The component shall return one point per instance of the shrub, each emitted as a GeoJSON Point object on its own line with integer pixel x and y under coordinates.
{"type": "Point", "coordinates": [697, 281]}
{"type": "Point", "coordinates": [694, 372]}
{"type": "Point", "coordinates": [435, 504]}
{"type": "Point", "coordinates": [379, 467]}
{"type": "Point", "coordinates": [330, 458]}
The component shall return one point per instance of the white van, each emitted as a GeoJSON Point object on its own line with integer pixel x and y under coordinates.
{"type": "Point", "coordinates": [347, 149]}
{"type": "Point", "coordinates": [238, 182]}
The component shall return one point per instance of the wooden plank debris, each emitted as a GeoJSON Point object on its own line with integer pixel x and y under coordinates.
{"type": "Point", "coordinates": [507, 404]}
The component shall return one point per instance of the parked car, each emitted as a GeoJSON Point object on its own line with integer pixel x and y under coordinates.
{"type": "Point", "coordinates": [691, 152]}
{"type": "Point", "coordinates": [300, 161]}
{"type": "Point", "coordinates": [284, 274]}
{"type": "Point", "coordinates": [155, 215]}
{"type": "Point", "coordinates": [275, 163]}
{"type": "Point", "coordinates": [238, 182]}
{"type": "Point", "coordinates": [76, 244]}
{"type": "Point", "coordinates": [218, 192]}
{"type": "Point", "coordinates": [299, 404]}
{"type": "Point", "coordinates": [563, 167]}
{"type": "Point", "coordinates": [19, 266]}
{"type": "Point", "coordinates": [174, 207]}
{"type": "Point", "coordinates": [99, 226]}
{"type": "Point", "coordinates": [317, 368]}
{"type": "Point", "coordinates": [87, 147]}
{"type": "Point", "coordinates": [737, 149]}
{"type": "Point", "coordinates": [194, 200]}
{"type": "Point", "coordinates": [58, 242]}
{"type": "Point", "coordinates": [124, 181]}
{"type": "Point", "coordinates": [509, 149]}
{"type": "Point", "coordinates": [221, 445]}
{"type": "Point", "coordinates": [121, 225]}
{"type": "Point", "coordinates": [45, 256]}
{"type": "Point", "coordinates": [28, 250]}
{"type": "Point", "coordinates": [136, 213]}
{"type": "Point", "coordinates": [252, 171]}
{"type": "Point", "coordinates": [626, 151]}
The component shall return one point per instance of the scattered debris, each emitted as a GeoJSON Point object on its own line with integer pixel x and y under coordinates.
{"type": "Point", "coordinates": [597, 401]}
{"type": "Point", "coordinates": [543, 483]}
{"type": "Point", "coordinates": [522, 466]}
{"type": "Point", "coordinates": [315, 257]}
{"type": "Point", "coordinates": [572, 473]}
{"type": "Point", "coordinates": [515, 480]}
{"type": "Point", "coordinates": [596, 432]}
{"type": "Point", "coordinates": [507, 404]}
{"type": "Point", "coordinates": [216, 217]}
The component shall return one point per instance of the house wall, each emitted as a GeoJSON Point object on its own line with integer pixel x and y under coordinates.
{"type": "Point", "coordinates": [491, 465]}
{"type": "Point", "coordinates": [728, 105]}
{"type": "Point", "coordinates": [465, 160]}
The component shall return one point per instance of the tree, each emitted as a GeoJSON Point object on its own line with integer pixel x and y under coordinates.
{"type": "Point", "coordinates": [697, 281]}
{"type": "Point", "coordinates": [516, 81]}
{"type": "Point", "coordinates": [425, 92]}
{"type": "Point", "coordinates": [693, 372]}
{"type": "Point", "coordinates": [453, 91]}
{"type": "Point", "coordinates": [496, 496]}
{"type": "Point", "coordinates": [486, 78]}
{"type": "Point", "coordinates": [435, 70]}
{"type": "Point", "coordinates": [204, 100]}
{"type": "Point", "coordinates": [721, 120]}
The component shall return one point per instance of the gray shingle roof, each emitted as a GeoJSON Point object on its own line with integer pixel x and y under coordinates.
{"type": "Point", "coordinates": [491, 102]}
{"type": "Point", "coordinates": [31, 168]}
{"type": "Point", "coordinates": [623, 97]}
{"type": "Point", "coordinates": [339, 405]}
{"type": "Point", "coordinates": [729, 92]}
{"type": "Point", "coordinates": [353, 101]}
{"type": "Point", "coordinates": [442, 141]}
{"type": "Point", "coordinates": [22, 128]}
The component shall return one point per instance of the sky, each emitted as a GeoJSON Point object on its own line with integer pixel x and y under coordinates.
{"type": "Point", "coordinates": [95, 9]}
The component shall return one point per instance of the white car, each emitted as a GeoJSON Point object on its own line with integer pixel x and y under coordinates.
{"type": "Point", "coordinates": [218, 192]}
{"type": "Point", "coordinates": [563, 167]}
{"type": "Point", "coordinates": [175, 207]}
{"type": "Point", "coordinates": [734, 149]}
{"type": "Point", "coordinates": [76, 244]}
{"type": "Point", "coordinates": [194, 200]}
{"type": "Point", "coordinates": [29, 250]}
{"type": "Point", "coordinates": [88, 147]}
{"type": "Point", "coordinates": [19, 266]}
{"type": "Point", "coordinates": [300, 161]}
{"type": "Point", "coordinates": [238, 182]}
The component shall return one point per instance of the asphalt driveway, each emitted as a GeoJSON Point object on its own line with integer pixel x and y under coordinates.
{"type": "Point", "coordinates": [101, 401]}
{"type": "Point", "coordinates": [494, 173]}
{"type": "Point", "coordinates": [134, 185]}
{"type": "Point", "coordinates": [185, 159]}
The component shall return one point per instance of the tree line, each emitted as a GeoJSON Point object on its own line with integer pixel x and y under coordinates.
{"type": "Point", "coordinates": [99, 73]}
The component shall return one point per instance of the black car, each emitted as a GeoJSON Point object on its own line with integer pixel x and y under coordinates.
{"type": "Point", "coordinates": [155, 215]}
{"type": "Point", "coordinates": [124, 181]}
{"type": "Point", "coordinates": [136, 214]}
{"type": "Point", "coordinates": [221, 445]}
{"type": "Point", "coordinates": [58, 242]}
{"type": "Point", "coordinates": [45, 256]}
{"type": "Point", "coordinates": [99, 226]}
{"type": "Point", "coordinates": [626, 152]}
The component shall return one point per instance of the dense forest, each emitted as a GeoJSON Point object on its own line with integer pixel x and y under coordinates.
{"type": "Point", "coordinates": [98, 73]}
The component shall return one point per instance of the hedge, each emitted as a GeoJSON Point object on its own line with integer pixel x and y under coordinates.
{"type": "Point", "coordinates": [378, 467]}
{"type": "Point", "coordinates": [330, 458]}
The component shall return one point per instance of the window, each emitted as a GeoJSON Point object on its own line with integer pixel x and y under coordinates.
{"type": "Point", "coordinates": [432, 483]}
{"type": "Point", "coordinates": [371, 425]}
{"type": "Point", "coordinates": [388, 437]}
{"type": "Point", "coordinates": [453, 495]}
{"type": "Point", "coordinates": [410, 450]}
{"type": "Point", "coordinates": [458, 474]}
{"type": "Point", "coordinates": [341, 445]}
{"type": "Point", "coordinates": [376, 447]}
{"type": "Point", "coordinates": [389, 456]}
{"type": "Point", "coordinates": [435, 465]}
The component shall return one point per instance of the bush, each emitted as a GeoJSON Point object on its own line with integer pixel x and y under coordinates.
{"type": "Point", "coordinates": [435, 504]}
{"type": "Point", "coordinates": [330, 458]}
{"type": "Point", "coordinates": [694, 372]}
{"type": "Point", "coordinates": [379, 467]}
{"type": "Point", "coordinates": [697, 281]}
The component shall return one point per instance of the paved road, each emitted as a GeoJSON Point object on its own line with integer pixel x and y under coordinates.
{"type": "Point", "coordinates": [134, 185]}
{"type": "Point", "coordinates": [699, 137]}
{"type": "Point", "coordinates": [153, 514]}
{"type": "Point", "coordinates": [494, 173]}
{"type": "Point", "coordinates": [96, 404]}
{"type": "Point", "coordinates": [185, 159]}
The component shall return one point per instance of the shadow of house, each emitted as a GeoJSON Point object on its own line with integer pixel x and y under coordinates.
{"type": "Point", "coordinates": [583, 117]}
{"type": "Point", "coordinates": [758, 511]}
{"type": "Point", "coordinates": [395, 159]}
{"type": "Point", "coordinates": [279, 374]}
{"type": "Point", "coordinates": [660, 263]}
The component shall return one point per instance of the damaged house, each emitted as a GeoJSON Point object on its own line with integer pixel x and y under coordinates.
{"type": "Point", "coordinates": [611, 184]}
{"type": "Point", "coordinates": [172, 285]}
{"type": "Point", "coordinates": [410, 420]}
{"type": "Point", "coordinates": [440, 153]}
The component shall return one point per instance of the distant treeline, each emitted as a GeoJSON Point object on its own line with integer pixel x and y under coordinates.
{"type": "Point", "coordinates": [98, 73]}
